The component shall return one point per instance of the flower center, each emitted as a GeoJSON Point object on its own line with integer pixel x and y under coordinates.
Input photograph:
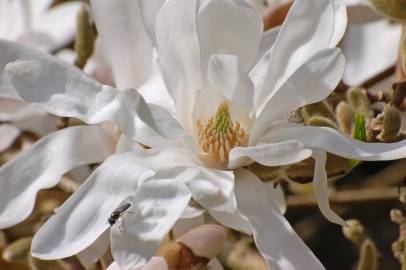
{"type": "Point", "coordinates": [220, 134]}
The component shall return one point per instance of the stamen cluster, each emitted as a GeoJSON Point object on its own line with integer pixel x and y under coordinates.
{"type": "Point", "coordinates": [220, 134]}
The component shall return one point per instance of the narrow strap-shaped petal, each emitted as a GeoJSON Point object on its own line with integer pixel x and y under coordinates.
{"type": "Point", "coordinates": [312, 82]}
{"type": "Point", "coordinates": [280, 246]}
{"type": "Point", "coordinates": [332, 141]}
{"type": "Point", "coordinates": [309, 28]}
{"type": "Point", "coordinates": [42, 166]}
{"type": "Point", "coordinates": [64, 90]}
{"type": "Point", "coordinates": [124, 40]}
{"type": "Point", "coordinates": [320, 187]}
{"type": "Point", "coordinates": [84, 216]}
{"type": "Point", "coordinates": [270, 154]}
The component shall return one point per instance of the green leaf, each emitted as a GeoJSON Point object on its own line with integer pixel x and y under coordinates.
{"type": "Point", "coordinates": [360, 134]}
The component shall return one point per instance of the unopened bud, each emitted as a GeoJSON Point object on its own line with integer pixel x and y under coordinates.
{"type": "Point", "coordinates": [344, 115]}
{"type": "Point", "coordinates": [397, 216]}
{"type": "Point", "coordinates": [320, 121]}
{"type": "Point", "coordinates": [369, 256]}
{"type": "Point", "coordinates": [399, 91]}
{"type": "Point", "coordinates": [85, 36]}
{"type": "Point", "coordinates": [37, 264]}
{"type": "Point", "coordinates": [395, 9]}
{"type": "Point", "coordinates": [317, 109]}
{"type": "Point", "coordinates": [358, 99]}
{"type": "Point", "coordinates": [18, 250]}
{"type": "Point", "coordinates": [354, 232]}
{"type": "Point", "coordinates": [391, 124]}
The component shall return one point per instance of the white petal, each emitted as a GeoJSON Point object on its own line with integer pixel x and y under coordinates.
{"type": "Point", "coordinates": [232, 220]}
{"type": "Point", "coordinates": [98, 67]}
{"type": "Point", "coordinates": [339, 144]}
{"type": "Point", "coordinates": [154, 91]}
{"type": "Point", "coordinates": [39, 7]}
{"type": "Point", "coordinates": [212, 188]}
{"type": "Point", "coordinates": [8, 133]}
{"type": "Point", "coordinates": [11, 51]}
{"type": "Point", "coordinates": [227, 75]}
{"type": "Point", "coordinates": [83, 217]}
{"type": "Point", "coordinates": [179, 52]}
{"type": "Point", "coordinates": [320, 187]}
{"type": "Point", "coordinates": [64, 90]}
{"type": "Point", "coordinates": [124, 40]}
{"type": "Point", "coordinates": [273, 154]}
{"type": "Point", "coordinates": [149, 10]}
{"type": "Point", "coordinates": [229, 27]}
{"type": "Point", "coordinates": [157, 204]}
{"type": "Point", "coordinates": [57, 27]}
{"type": "Point", "coordinates": [155, 207]}
{"type": "Point", "coordinates": [184, 225]}
{"type": "Point", "coordinates": [278, 196]}
{"type": "Point", "coordinates": [309, 28]}
{"type": "Point", "coordinates": [280, 246]}
{"type": "Point", "coordinates": [367, 55]}
{"type": "Point", "coordinates": [42, 166]}
{"type": "Point", "coordinates": [267, 40]}
{"type": "Point", "coordinates": [94, 252]}
{"type": "Point", "coordinates": [312, 82]}
{"type": "Point", "coordinates": [130, 252]}
{"type": "Point", "coordinates": [127, 145]}
{"type": "Point", "coordinates": [27, 117]}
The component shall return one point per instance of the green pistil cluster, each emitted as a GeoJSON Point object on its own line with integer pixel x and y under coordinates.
{"type": "Point", "coordinates": [222, 120]}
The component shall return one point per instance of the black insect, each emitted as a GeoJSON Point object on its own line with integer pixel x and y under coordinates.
{"type": "Point", "coordinates": [116, 214]}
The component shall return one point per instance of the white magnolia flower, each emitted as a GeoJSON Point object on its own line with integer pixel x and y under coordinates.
{"type": "Point", "coordinates": [33, 23]}
{"type": "Point", "coordinates": [230, 86]}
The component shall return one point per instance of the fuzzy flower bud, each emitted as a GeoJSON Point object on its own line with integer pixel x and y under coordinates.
{"type": "Point", "coordinates": [392, 121]}
{"type": "Point", "coordinates": [85, 36]}
{"type": "Point", "coordinates": [354, 232]}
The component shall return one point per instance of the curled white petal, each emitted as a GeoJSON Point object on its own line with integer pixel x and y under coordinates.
{"type": "Point", "coordinates": [281, 247]}
{"type": "Point", "coordinates": [320, 187]}
{"type": "Point", "coordinates": [42, 165]}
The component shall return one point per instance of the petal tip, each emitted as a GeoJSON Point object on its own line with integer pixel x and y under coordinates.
{"type": "Point", "coordinates": [205, 241]}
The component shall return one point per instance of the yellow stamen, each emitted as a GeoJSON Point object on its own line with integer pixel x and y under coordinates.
{"type": "Point", "coordinates": [220, 134]}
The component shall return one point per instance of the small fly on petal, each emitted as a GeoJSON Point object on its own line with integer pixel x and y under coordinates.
{"type": "Point", "coordinates": [117, 213]}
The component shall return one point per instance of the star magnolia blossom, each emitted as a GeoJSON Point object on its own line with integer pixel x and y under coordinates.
{"type": "Point", "coordinates": [32, 22]}
{"type": "Point", "coordinates": [231, 88]}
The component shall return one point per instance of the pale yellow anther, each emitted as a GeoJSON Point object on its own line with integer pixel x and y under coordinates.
{"type": "Point", "coordinates": [220, 134]}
